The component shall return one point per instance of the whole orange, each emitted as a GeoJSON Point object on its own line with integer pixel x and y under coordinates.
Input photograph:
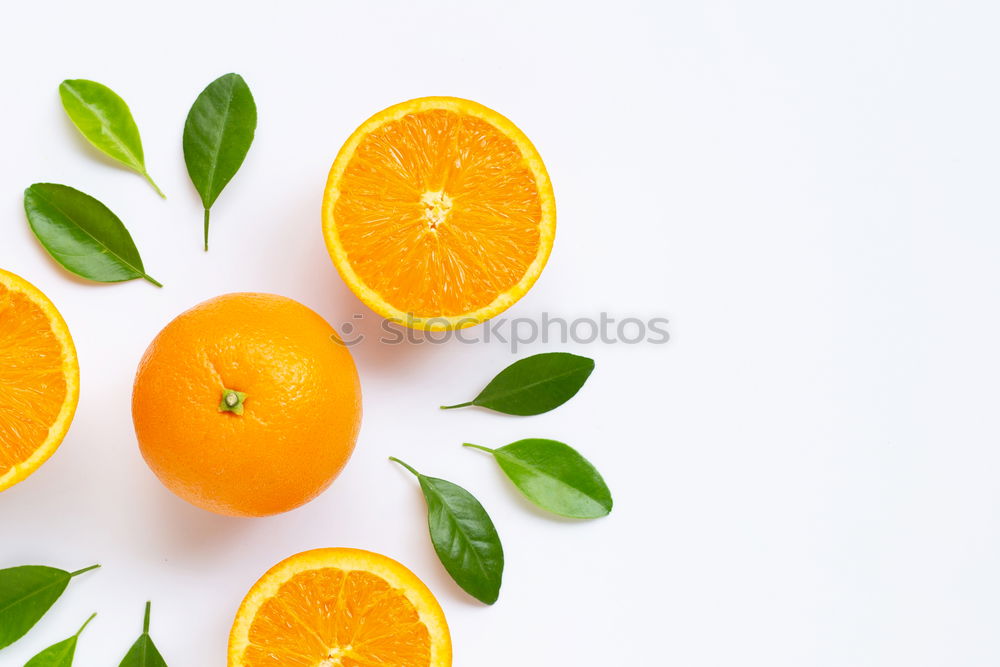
{"type": "Point", "coordinates": [247, 405]}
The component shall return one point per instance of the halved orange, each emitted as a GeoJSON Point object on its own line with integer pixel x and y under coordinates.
{"type": "Point", "coordinates": [439, 213]}
{"type": "Point", "coordinates": [39, 379]}
{"type": "Point", "coordinates": [339, 608]}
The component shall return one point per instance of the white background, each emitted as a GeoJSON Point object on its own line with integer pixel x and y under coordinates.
{"type": "Point", "coordinates": [805, 475]}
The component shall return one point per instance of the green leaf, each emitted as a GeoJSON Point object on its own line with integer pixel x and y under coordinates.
{"type": "Point", "coordinates": [26, 593]}
{"type": "Point", "coordinates": [555, 477]}
{"type": "Point", "coordinates": [82, 234]}
{"type": "Point", "coordinates": [143, 652]}
{"type": "Point", "coordinates": [217, 135]}
{"type": "Point", "coordinates": [106, 122]}
{"type": "Point", "coordinates": [61, 654]}
{"type": "Point", "coordinates": [534, 385]}
{"type": "Point", "coordinates": [464, 537]}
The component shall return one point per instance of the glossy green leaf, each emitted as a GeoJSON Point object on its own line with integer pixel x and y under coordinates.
{"type": "Point", "coordinates": [106, 122]}
{"type": "Point", "coordinates": [217, 135]}
{"type": "Point", "coordinates": [143, 652]}
{"type": "Point", "coordinates": [534, 385]}
{"type": "Point", "coordinates": [26, 593]}
{"type": "Point", "coordinates": [555, 477]}
{"type": "Point", "coordinates": [60, 654]}
{"type": "Point", "coordinates": [82, 234]}
{"type": "Point", "coordinates": [464, 537]}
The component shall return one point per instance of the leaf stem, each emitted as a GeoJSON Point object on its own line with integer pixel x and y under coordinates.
{"type": "Point", "coordinates": [206, 230]}
{"type": "Point", "coordinates": [145, 620]}
{"type": "Point", "coordinates": [153, 183]}
{"type": "Point", "coordinates": [85, 624]}
{"type": "Point", "coordinates": [405, 465]}
{"type": "Point", "coordinates": [469, 444]}
{"type": "Point", "coordinates": [152, 280]}
{"type": "Point", "coordinates": [86, 569]}
{"type": "Point", "coordinates": [457, 405]}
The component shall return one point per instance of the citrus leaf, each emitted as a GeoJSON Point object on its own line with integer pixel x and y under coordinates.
{"type": "Point", "coordinates": [534, 385]}
{"type": "Point", "coordinates": [555, 477]}
{"type": "Point", "coordinates": [82, 234]}
{"type": "Point", "coordinates": [464, 537]}
{"type": "Point", "coordinates": [143, 652]}
{"type": "Point", "coordinates": [105, 121]}
{"type": "Point", "coordinates": [59, 654]}
{"type": "Point", "coordinates": [217, 136]}
{"type": "Point", "coordinates": [26, 593]}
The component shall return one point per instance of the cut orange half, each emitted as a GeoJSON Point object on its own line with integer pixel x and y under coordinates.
{"type": "Point", "coordinates": [339, 608]}
{"type": "Point", "coordinates": [439, 213]}
{"type": "Point", "coordinates": [39, 379]}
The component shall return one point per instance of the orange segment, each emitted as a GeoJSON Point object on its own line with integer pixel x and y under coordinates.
{"type": "Point", "coordinates": [439, 213]}
{"type": "Point", "coordinates": [339, 608]}
{"type": "Point", "coordinates": [39, 379]}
